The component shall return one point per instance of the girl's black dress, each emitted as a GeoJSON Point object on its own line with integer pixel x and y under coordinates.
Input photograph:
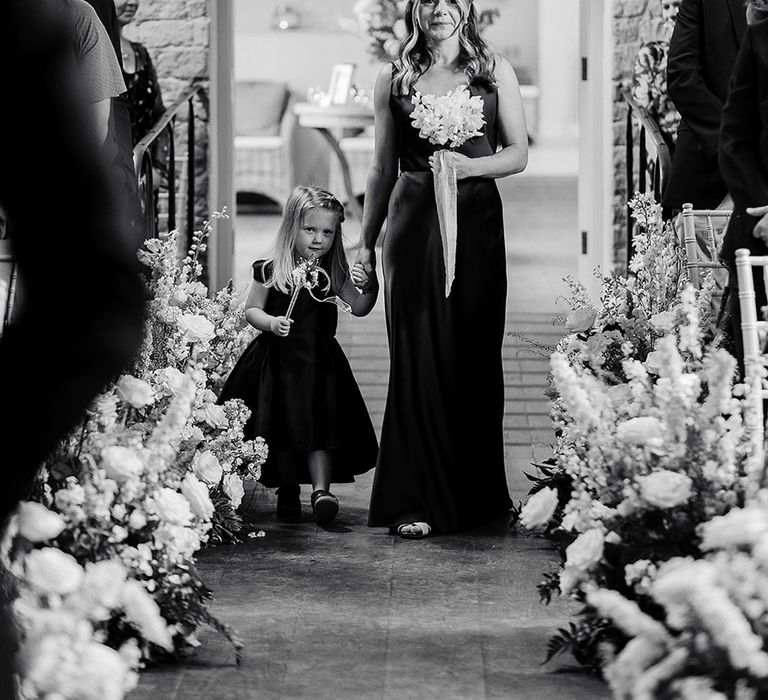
{"type": "Point", "coordinates": [441, 458]}
{"type": "Point", "coordinates": [302, 393]}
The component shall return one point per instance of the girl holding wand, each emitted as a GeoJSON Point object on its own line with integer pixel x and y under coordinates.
{"type": "Point", "coordinates": [294, 377]}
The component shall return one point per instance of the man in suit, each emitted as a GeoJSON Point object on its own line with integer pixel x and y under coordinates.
{"type": "Point", "coordinates": [744, 155]}
{"type": "Point", "coordinates": [702, 53]}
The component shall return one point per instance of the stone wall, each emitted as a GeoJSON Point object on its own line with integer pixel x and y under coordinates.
{"type": "Point", "coordinates": [176, 34]}
{"type": "Point", "coordinates": [634, 22]}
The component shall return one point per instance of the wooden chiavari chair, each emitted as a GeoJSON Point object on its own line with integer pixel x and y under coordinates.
{"type": "Point", "coordinates": [693, 261]}
{"type": "Point", "coordinates": [753, 334]}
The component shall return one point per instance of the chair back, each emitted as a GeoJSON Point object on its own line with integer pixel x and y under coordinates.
{"type": "Point", "coordinates": [693, 261]}
{"type": "Point", "coordinates": [753, 334]}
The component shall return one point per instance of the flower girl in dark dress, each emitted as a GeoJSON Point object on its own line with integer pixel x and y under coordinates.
{"type": "Point", "coordinates": [294, 376]}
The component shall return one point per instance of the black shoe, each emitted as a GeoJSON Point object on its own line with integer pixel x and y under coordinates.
{"type": "Point", "coordinates": [289, 503]}
{"type": "Point", "coordinates": [324, 506]}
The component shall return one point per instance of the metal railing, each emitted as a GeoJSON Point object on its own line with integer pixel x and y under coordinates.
{"type": "Point", "coordinates": [143, 160]}
{"type": "Point", "coordinates": [654, 160]}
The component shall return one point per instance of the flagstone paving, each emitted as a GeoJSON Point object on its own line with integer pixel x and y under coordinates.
{"type": "Point", "coordinates": [352, 612]}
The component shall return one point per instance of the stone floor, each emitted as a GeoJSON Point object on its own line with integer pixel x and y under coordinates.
{"type": "Point", "coordinates": [352, 612]}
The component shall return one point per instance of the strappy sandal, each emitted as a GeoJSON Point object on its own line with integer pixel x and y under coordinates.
{"type": "Point", "coordinates": [289, 503]}
{"type": "Point", "coordinates": [324, 506]}
{"type": "Point", "coordinates": [423, 530]}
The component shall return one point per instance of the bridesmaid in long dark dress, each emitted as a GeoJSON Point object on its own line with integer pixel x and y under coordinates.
{"type": "Point", "coordinates": [441, 459]}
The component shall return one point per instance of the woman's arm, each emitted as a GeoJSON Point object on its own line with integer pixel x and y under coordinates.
{"type": "Point", "coordinates": [513, 157]}
{"type": "Point", "coordinates": [383, 172]}
{"type": "Point", "coordinates": [260, 319]}
{"type": "Point", "coordinates": [361, 303]}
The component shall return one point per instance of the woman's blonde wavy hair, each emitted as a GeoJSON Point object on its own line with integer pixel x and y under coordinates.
{"type": "Point", "coordinates": [475, 56]}
{"type": "Point", "coordinates": [282, 256]}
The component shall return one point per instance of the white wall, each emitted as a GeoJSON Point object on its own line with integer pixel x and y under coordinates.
{"type": "Point", "coordinates": [559, 70]}
{"type": "Point", "coordinates": [304, 57]}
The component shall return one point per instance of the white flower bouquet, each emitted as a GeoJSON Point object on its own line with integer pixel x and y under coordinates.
{"type": "Point", "coordinates": [448, 120]}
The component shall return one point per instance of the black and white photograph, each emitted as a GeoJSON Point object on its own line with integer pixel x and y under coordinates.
{"type": "Point", "coordinates": [384, 349]}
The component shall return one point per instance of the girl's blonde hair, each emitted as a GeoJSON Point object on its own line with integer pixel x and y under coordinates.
{"type": "Point", "coordinates": [282, 257]}
{"type": "Point", "coordinates": [475, 56]}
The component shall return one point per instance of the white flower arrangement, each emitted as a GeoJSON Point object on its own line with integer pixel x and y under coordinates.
{"type": "Point", "coordinates": [652, 441]}
{"type": "Point", "coordinates": [104, 566]}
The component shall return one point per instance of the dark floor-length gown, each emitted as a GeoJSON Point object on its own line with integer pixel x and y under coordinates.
{"type": "Point", "coordinates": [441, 457]}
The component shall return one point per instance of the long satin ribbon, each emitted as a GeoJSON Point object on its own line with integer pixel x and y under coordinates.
{"type": "Point", "coordinates": [446, 193]}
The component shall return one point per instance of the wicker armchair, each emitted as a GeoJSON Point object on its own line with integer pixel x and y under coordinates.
{"type": "Point", "coordinates": [264, 125]}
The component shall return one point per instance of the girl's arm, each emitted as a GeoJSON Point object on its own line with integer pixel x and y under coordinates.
{"type": "Point", "coordinates": [513, 157]}
{"type": "Point", "coordinates": [361, 302]}
{"type": "Point", "coordinates": [383, 172]}
{"type": "Point", "coordinates": [260, 319]}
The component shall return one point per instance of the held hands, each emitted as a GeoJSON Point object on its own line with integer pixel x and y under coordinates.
{"type": "Point", "coordinates": [363, 272]}
{"type": "Point", "coordinates": [361, 278]}
{"type": "Point", "coordinates": [280, 326]}
{"type": "Point", "coordinates": [465, 166]}
{"type": "Point", "coordinates": [761, 227]}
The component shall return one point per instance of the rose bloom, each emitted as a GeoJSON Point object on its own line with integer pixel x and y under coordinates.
{"type": "Point", "coordinates": [171, 380]}
{"type": "Point", "coordinates": [173, 507]}
{"type": "Point", "coordinates": [103, 675]}
{"type": "Point", "coordinates": [52, 571]}
{"type": "Point", "coordinates": [141, 609]}
{"type": "Point", "coordinates": [580, 320]}
{"type": "Point", "coordinates": [213, 415]}
{"type": "Point", "coordinates": [102, 587]}
{"type": "Point", "coordinates": [665, 489]}
{"type": "Point", "coordinates": [741, 526]}
{"type": "Point", "coordinates": [134, 391]}
{"type": "Point", "coordinates": [654, 363]}
{"type": "Point", "coordinates": [586, 550]}
{"type": "Point", "coordinates": [539, 509]}
{"type": "Point", "coordinates": [121, 463]}
{"type": "Point", "coordinates": [644, 430]}
{"type": "Point", "coordinates": [206, 467]}
{"type": "Point", "coordinates": [233, 487]}
{"type": "Point", "coordinates": [137, 520]}
{"type": "Point", "coordinates": [36, 523]}
{"type": "Point", "coordinates": [196, 328]}
{"type": "Point", "coordinates": [197, 494]}
{"type": "Point", "coordinates": [619, 395]}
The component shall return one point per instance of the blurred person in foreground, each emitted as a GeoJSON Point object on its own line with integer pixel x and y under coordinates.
{"type": "Point", "coordinates": [83, 308]}
{"type": "Point", "coordinates": [744, 158]}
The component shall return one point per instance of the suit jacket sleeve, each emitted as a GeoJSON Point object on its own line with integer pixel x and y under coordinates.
{"type": "Point", "coordinates": [698, 105]}
{"type": "Point", "coordinates": [739, 136]}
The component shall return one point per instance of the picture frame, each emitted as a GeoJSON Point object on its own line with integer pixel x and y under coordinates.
{"type": "Point", "coordinates": [341, 82]}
